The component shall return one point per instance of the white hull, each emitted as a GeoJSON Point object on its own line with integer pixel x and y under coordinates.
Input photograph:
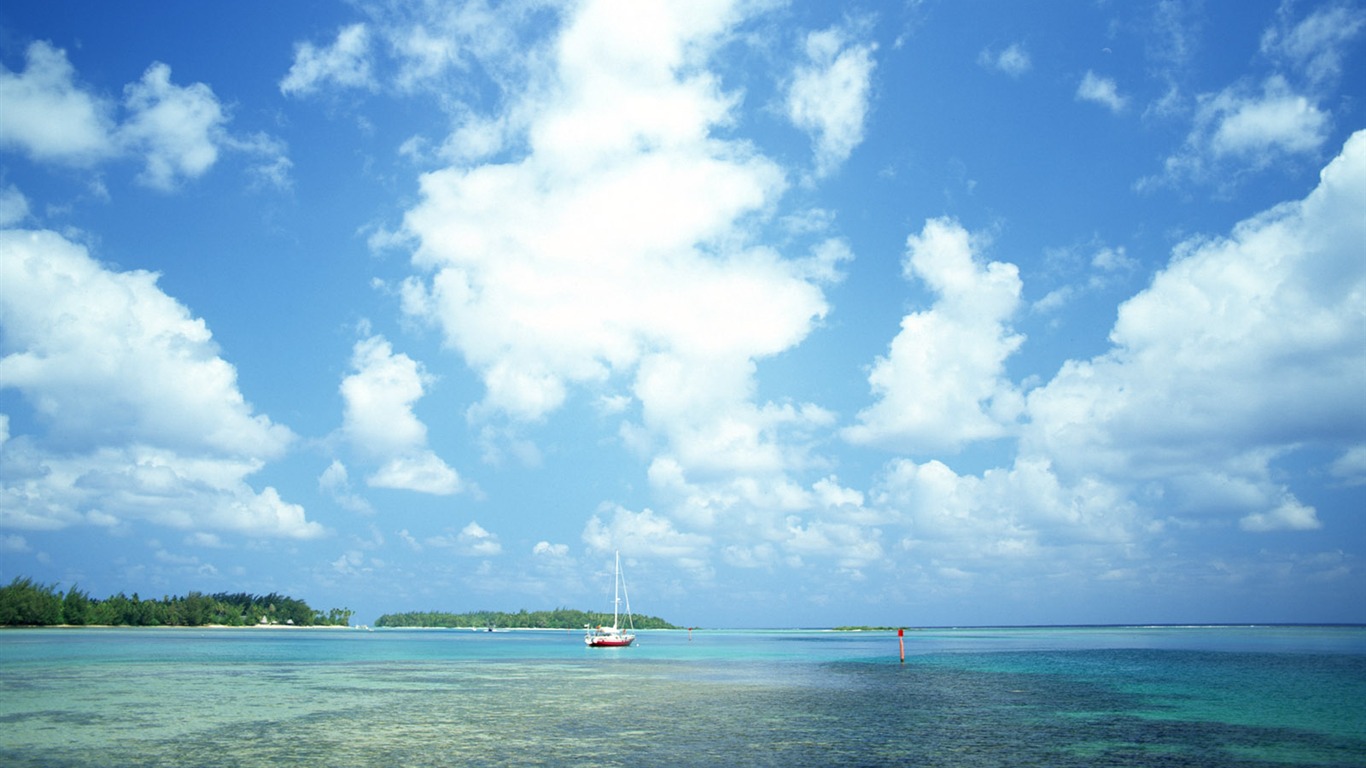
{"type": "Point", "coordinates": [613, 636]}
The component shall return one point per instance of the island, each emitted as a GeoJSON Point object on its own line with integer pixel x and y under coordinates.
{"type": "Point", "coordinates": [26, 603]}
{"type": "Point", "coordinates": [560, 618]}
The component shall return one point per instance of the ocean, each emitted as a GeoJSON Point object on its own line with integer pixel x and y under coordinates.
{"type": "Point", "coordinates": [1047, 696]}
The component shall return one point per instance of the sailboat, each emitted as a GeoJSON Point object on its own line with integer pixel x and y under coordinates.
{"type": "Point", "coordinates": [614, 636]}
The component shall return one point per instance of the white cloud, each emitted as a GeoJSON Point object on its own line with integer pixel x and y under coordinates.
{"type": "Point", "coordinates": [639, 262]}
{"type": "Point", "coordinates": [829, 95]}
{"type": "Point", "coordinates": [1015, 512]}
{"type": "Point", "coordinates": [1054, 300]}
{"type": "Point", "coordinates": [1315, 45]}
{"type": "Point", "coordinates": [424, 472]}
{"type": "Point", "coordinates": [272, 167]}
{"type": "Point", "coordinates": [474, 540]}
{"type": "Point", "coordinates": [437, 44]}
{"type": "Point", "coordinates": [351, 563]}
{"type": "Point", "coordinates": [643, 534]}
{"type": "Point", "coordinates": [712, 428]}
{"type": "Point", "coordinates": [178, 131]}
{"type": "Point", "coordinates": [942, 383]}
{"type": "Point", "coordinates": [203, 539]}
{"type": "Point", "coordinates": [13, 206]}
{"type": "Point", "coordinates": [1113, 260]}
{"type": "Point", "coordinates": [378, 399]}
{"type": "Point", "coordinates": [1242, 351]}
{"type": "Point", "coordinates": [49, 116]}
{"type": "Point", "coordinates": [851, 546]}
{"type": "Point", "coordinates": [831, 494]}
{"type": "Point", "coordinates": [1013, 60]}
{"type": "Point", "coordinates": [379, 422]}
{"type": "Point", "coordinates": [1350, 467]}
{"type": "Point", "coordinates": [449, 51]}
{"type": "Point", "coordinates": [546, 549]}
{"type": "Point", "coordinates": [1254, 125]}
{"type": "Point", "coordinates": [755, 518]}
{"type": "Point", "coordinates": [1101, 90]}
{"type": "Point", "coordinates": [336, 482]}
{"type": "Point", "coordinates": [1110, 265]}
{"type": "Point", "coordinates": [107, 354]}
{"type": "Point", "coordinates": [1248, 127]}
{"type": "Point", "coordinates": [164, 556]}
{"type": "Point", "coordinates": [138, 409]}
{"type": "Point", "coordinates": [1243, 129]}
{"type": "Point", "coordinates": [177, 128]}
{"type": "Point", "coordinates": [1244, 348]}
{"type": "Point", "coordinates": [426, 55]}
{"type": "Point", "coordinates": [345, 63]}
{"type": "Point", "coordinates": [1291, 515]}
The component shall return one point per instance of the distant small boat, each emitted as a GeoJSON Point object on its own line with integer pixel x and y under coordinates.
{"type": "Point", "coordinates": [614, 636]}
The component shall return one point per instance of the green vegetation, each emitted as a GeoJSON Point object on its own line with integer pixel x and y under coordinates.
{"type": "Point", "coordinates": [26, 603]}
{"type": "Point", "coordinates": [560, 618]}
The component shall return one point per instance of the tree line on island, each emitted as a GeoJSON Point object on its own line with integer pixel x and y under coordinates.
{"type": "Point", "coordinates": [27, 603]}
{"type": "Point", "coordinates": [560, 618]}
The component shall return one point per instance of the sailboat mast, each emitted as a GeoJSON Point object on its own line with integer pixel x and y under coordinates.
{"type": "Point", "coordinates": [616, 590]}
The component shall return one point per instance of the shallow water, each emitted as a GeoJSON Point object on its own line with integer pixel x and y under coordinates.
{"type": "Point", "coordinates": [1196, 696]}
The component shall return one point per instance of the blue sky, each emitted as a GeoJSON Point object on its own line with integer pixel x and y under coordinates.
{"type": "Point", "coordinates": [922, 313]}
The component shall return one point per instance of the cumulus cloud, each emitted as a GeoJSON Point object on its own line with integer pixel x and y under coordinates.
{"type": "Point", "coordinates": [379, 422]}
{"type": "Point", "coordinates": [640, 272]}
{"type": "Point", "coordinates": [942, 383]}
{"type": "Point", "coordinates": [828, 97]}
{"type": "Point", "coordinates": [1102, 91]}
{"type": "Point", "coordinates": [703, 409]}
{"type": "Point", "coordinates": [1244, 350]}
{"type": "Point", "coordinates": [137, 408]}
{"type": "Point", "coordinates": [424, 472]}
{"type": "Point", "coordinates": [1278, 303]}
{"type": "Point", "coordinates": [1273, 121]}
{"type": "Point", "coordinates": [1016, 512]}
{"type": "Point", "coordinates": [178, 131]}
{"type": "Point", "coordinates": [378, 398]}
{"type": "Point", "coordinates": [852, 546]}
{"type": "Point", "coordinates": [643, 534]}
{"type": "Point", "coordinates": [49, 116]}
{"type": "Point", "coordinates": [345, 64]}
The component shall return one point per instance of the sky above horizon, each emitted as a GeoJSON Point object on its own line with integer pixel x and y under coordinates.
{"type": "Point", "coordinates": [917, 313]}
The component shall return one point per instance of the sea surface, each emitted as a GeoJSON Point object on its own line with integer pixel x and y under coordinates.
{"type": "Point", "coordinates": [1090, 696]}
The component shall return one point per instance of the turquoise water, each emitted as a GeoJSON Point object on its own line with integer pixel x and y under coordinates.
{"type": "Point", "coordinates": [1158, 696]}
